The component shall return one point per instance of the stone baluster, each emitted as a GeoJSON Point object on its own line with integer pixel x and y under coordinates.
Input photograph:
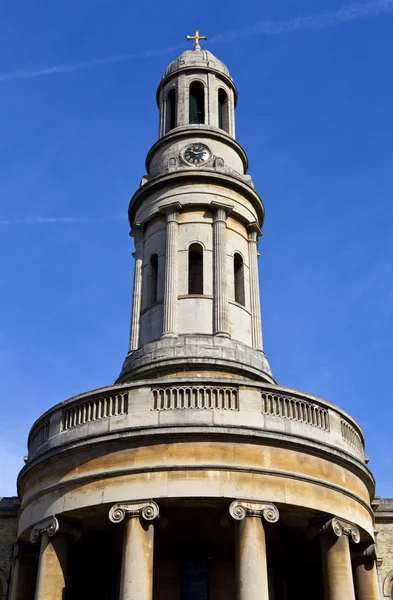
{"type": "Point", "coordinates": [136, 580]}
{"type": "Point", "coordinates": [255, 303]}
{"type": "Point", "coordinates": [334, 536]}
{"type": "Point", "coordinates": [365, 573]}
{"type": "Point", "coordinates": [251, 563]}
{"type": "Point", "coordinates": [220, 303]}
{"type": "Point", "coordinates": [52, 566]}
{"type": "Point", "coordinates": [170, 294]}
{"type": "Point", "coordinates": [137, 292]}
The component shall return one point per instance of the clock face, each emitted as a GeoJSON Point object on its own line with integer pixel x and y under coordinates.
{"type": "Point", "coordinates": [197, 154]}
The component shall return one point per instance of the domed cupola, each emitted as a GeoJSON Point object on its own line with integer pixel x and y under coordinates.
{"type": "Point", "coordinates": [197, 90]}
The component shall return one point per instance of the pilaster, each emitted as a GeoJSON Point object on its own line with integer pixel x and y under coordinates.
{"type": "Point", "coordinates": [220, 303]}
{"type": "Point", "coordinates": [254, 231]}
{"type": "Point", "coordinates": [137, 289]}
{"type": "Point", "coordinates": [171, 212]}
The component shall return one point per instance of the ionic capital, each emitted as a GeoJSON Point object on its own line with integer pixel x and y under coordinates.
{"type": "Point", "coordinates": [336, 527]}
{"type": "Point", "coordinates": [148, 510]}
{"type": "Point", "coordinates": [171, 211]}
{"type": "Point", "coordinates": [54, 525]}
{"type": "Point", "coordinates": [240, 509]}
{"type": "Point", "coordinates": [366, 551]}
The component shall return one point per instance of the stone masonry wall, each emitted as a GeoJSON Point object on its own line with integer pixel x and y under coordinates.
{"type": "Point", "coordinates": [383, 508]}
{"type": "Point", "coordinates": [8, 525]}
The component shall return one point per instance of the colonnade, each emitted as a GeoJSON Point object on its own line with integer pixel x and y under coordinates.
{"type": "Point", "coordinates": [344, 569]}
{"type": "Point", "coordinates": [220, 283]}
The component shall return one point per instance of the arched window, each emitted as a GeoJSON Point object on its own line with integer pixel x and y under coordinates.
{"type": "Point", "coordinates": [238, 267]}
{"type": "Point", "coordinates": [197, 103]}
{"type": "Point", "coordinates": [195, 269]}
{"type": "Point", "coordinates": [223, 110]}
{"type": "Point", "coordinates": [170, 120]}
{"type": "Point", "coordinates": [153, 277]}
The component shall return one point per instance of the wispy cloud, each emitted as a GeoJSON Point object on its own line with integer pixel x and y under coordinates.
{"type": "Point", "coordinates": [57, 220]}
{"type": "Point", "coordinates": [352, 12]}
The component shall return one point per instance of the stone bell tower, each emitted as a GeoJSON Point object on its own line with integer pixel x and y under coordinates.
{"type": "Point", "coordinates": [195, 476]}
{"type": "Point", "coordinates": [196, 219]}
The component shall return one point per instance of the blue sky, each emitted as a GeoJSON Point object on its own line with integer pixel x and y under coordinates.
{"type": "Point", "coordinates": [77, 117]}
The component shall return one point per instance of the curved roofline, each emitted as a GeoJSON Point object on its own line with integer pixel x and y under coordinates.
{"type": "Point", "coordinates": [194, 68]}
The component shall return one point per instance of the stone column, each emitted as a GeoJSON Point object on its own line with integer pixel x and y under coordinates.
{"type": "Point", "coordinates": [255, 302]}
{"type": "Point", "coordinates": [52, 566]}
{"type": "Point", "coordinates": [170, 294]}
{"type": "Point", "coordinates": [336, 557]}
{"type": "Point", "coordinates": [24, 572]}
{"type": "Point", "coordinates": [137, 291]}
{"type": "Point", "coordinates": [365, 573]}
{"type": "Point", "coordinates": [136, 580]}
{"type": "Point", "coordinates": [220, 302]}
{"type": "Point", "coordinates": [251, 563]}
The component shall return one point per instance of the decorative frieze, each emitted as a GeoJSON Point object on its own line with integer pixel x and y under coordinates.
{"type": "Point", "coordinates": [195, 397]}
{"type": "Point", "coordinates": [147, 510]}
{"type": "Point", "coordinates": [94, 410]}
{"type": "Point", "coordinates": [351, 436]}
{"type": "Point", "coordinates": [240, 509]}
{"type": "Point", "coordinates": [54, 525]}
{"type": "Point", "coordinates": [289, 407]}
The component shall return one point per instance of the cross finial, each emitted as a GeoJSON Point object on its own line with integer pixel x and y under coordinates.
{"type": "Point", "coordinates": [197, 37]}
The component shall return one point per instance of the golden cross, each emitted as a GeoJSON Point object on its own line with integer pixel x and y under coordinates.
{"type": "Point", "coordinates": [197, 37]}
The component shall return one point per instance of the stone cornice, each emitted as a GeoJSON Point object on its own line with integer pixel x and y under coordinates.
{"type": "Point", "coordinates": [201, 176]}
{"type": "Point", "coordinates": [55, 525]}
{"type": "Point", "coordinates": [240, 509]}
{"type": "Point", "coordinates": [147, 510]}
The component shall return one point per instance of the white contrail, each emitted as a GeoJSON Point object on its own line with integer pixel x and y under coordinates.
{"type": "Point", "coordinates": [352, 12]}
{"type": "Point", "coordinates": [57, 220]}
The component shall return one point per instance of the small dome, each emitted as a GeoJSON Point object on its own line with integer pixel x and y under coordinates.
{"type": "Point", "coordinates": [197, 58]}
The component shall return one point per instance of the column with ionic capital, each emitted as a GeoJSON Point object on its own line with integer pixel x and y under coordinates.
{"type": "Point", "coordinates": [365, 573]}
{"type": "Point", "coordinates": [136, 580]}
{"type": "Point", "coordinates": [220, 302]}
{"type": "Point", "coordinates": [52, 566]}
{"type": "Point", "coordinates": [137, 234]}
{"type": "Point", "coordinates": [169, 328]}
{"type": "Point", "coordinates": [251, 562]}
{"type": "Point", "coordinates": [334, 536]}
{"type": "Point", "coordinates": [254, 231]}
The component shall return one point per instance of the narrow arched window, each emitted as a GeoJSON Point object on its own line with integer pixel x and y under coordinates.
{"type": "Point", "coordinates": [170, 121]}
{"type": "Point", "coordinates": [195, 269]}
{"type": "Point", "coordinates": [197, 103]}
{"type": "Point", "coordinates": [153, 278]}
{"type": "Point", "coordinates": [223, 110]}
{"type": "Point", "coordinates": [238, 267]}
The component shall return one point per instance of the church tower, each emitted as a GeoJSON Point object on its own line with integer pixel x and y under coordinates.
{"type": "Point", "coordinates": [196, 219]}
{"type": "Point", "coordinates": [195, 476]}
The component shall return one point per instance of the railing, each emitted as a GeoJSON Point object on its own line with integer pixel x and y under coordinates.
{"type": "Point", "coordinates": [199, 397]}
{"type": "Point", "coordinates": [289, 407]}
{"type": "Point", "coordinates": [39, 435]}
{"type": "Point", "coordinates": [94, 410]}
{"type": "Point", "coordinates": [351, 436]}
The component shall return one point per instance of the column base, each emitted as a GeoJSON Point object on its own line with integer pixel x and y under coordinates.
{"type": "Point", "coordinates": [169, 334]}
{"type": "Point", "coordinates": [223, 334]}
